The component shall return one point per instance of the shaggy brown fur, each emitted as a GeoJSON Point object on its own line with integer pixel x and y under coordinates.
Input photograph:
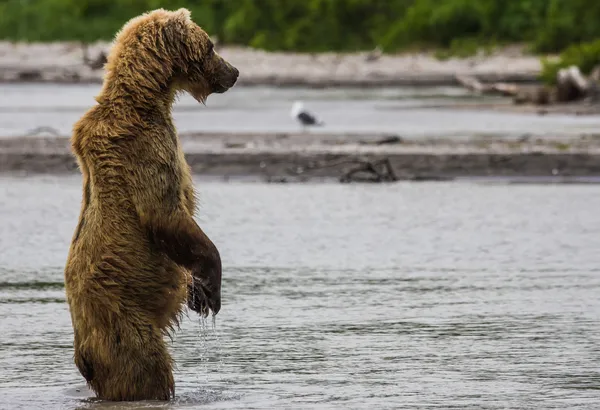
{"type": "Point", "coordinates": [137, 254]}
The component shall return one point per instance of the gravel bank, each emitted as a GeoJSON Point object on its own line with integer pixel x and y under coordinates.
{"type": "Point", "coordinates": [64, 63]}
{"type": "Point", "coordinates": [296, 158]}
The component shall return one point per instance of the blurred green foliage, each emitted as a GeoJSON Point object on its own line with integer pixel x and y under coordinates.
{"type": "Point", "coordinates": [324, 25]}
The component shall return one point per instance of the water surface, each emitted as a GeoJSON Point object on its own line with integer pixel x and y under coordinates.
{"type": "Point", "coordinates": [437, 295]}
{"type": "Point", "coordinates": [402, 110]}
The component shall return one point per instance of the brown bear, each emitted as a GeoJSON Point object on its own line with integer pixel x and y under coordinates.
{"type": "Point", "coordinates": [137, 255]}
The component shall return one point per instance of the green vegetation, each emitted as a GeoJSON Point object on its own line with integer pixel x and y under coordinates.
{"type": "Point", "coordinates": [459, 26]}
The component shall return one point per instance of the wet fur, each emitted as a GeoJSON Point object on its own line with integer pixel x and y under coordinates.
{"type": "Point", "coordinates": [137, 255]}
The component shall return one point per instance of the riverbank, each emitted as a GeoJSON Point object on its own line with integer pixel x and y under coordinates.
{"type": "Point", "coordinates": [64, 63]}
{"type": "Point", "coordinates": [280, 157]}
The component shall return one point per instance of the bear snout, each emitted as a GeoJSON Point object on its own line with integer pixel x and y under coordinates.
{"type": "Point", "coordinates": [224, 75]}
{"type": "Point", "coordinates": [232, 76]}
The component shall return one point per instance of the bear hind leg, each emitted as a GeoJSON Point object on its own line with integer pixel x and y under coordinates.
{"type": "Point", "coordinates": [128, 366]}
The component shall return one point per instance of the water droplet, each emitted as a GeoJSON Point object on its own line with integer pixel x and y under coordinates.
{"type": "Point", "coordinates": [217, 341]}
{"type": "Point", "coordinates": [203, 347]}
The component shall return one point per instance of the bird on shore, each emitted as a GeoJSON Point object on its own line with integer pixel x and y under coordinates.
{"type": "Point", "coordinates": [305, 118]}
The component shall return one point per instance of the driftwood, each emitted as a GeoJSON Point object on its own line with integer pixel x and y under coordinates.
{"type": "Point", "coordinates": [94, 63]}
{"type": "Point", "coordinates": [571, 86]}
{"type": "Point", "coordinates": [374, 55]}
{"type": "Point", "coordinates": [473, 84]}
{"type": "Point", "coordinates": [42, 130]}
{"type": "Point", "coordinates": [538, 95]}
{"type": "Point", "coordinates": [387, 140]}
{"type": "Point", "coordinates": [363, 170]}
{"type": "Point", "coordinates": [378, 171]}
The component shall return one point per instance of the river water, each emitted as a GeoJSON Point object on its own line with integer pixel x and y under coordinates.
{"type": "Point", "coordinates": [437, 295]}
{"type": "Point", "coordinates": [404, 111]}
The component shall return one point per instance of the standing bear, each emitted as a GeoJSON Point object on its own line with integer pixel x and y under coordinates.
{"type": "Point", "coordinates": [137, 255]}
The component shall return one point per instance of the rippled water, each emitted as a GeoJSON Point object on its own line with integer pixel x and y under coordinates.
{"type": "Point", "coordinates": [437, 295]}
{"type": "Point", "coordinates": [264, 109]}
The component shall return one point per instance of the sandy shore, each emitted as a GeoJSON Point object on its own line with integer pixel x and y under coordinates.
{"type": "Point", "coordinates": [64, 63]}
{"type": "Point", "coordinates": [296, 158]}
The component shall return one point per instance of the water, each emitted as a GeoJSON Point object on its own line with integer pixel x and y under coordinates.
{"type": "Point", "coordinates": [404, 111]}
{"type": "Point", "coordinates": [436, 295]}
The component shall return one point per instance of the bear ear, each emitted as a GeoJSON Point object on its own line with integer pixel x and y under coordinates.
{"type": "Point", "coordinates": [184, 15]}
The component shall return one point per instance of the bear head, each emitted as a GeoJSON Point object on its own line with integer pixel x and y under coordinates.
{"type": "Point", "coordinates": [163, 51]}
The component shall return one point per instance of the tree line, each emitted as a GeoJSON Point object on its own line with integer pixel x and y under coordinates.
{"type": "Point", "coordinates": [324, 25]}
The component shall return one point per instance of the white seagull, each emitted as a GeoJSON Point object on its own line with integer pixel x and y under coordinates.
{"type": "Point", "coordinates": [305, 118]}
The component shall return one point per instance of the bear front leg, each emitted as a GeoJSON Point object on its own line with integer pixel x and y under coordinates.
{"type": "Point", "coordinates": [182, 240]}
